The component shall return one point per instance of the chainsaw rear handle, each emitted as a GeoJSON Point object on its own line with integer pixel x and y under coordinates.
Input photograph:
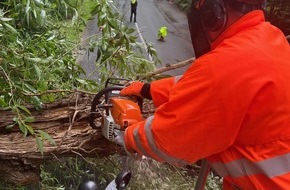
{"type": "Point", "coordinates": [96, 102]}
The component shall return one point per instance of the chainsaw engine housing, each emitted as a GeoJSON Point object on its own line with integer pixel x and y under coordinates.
{"type": "Point", "coordinates": [122, 114]}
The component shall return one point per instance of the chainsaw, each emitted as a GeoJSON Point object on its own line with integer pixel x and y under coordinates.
{"type": "Point", "coordinates": [110, 110]}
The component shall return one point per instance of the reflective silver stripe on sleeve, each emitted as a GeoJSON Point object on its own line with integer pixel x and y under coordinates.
{"type": "Point", "coordinates": [271, 167]}
{"type": "Point", "coordinates": [177, 78]}
{"type": "Point", "coordinates": [154, 148]}
{"type": "Point", "coordinates": [138, 143]}
{"type": "Point", "coordinates": [151, 142]}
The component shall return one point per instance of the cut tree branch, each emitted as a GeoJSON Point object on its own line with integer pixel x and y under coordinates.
{"type": "Point", "coordinates": [168, 67]}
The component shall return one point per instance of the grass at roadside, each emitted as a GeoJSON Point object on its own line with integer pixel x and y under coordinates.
{"type": "Point", "coordinates": [73, 28]}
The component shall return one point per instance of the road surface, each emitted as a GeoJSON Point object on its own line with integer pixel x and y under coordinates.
{"type": "Point", "coordinates": [151, 15]}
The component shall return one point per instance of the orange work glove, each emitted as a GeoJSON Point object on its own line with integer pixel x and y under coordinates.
{"type": "Point", "coordinates": [134, 89]}
{"type": "Point", "coordinates": [137, 88]}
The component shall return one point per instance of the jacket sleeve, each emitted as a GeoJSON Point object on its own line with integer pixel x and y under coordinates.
{"type": "Point", "coordinates": [190, 125]}
{"type": "Point", "coordinates": [160, 90]}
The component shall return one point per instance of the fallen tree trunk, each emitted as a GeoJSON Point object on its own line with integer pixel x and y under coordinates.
{"type": "Point", "coordinates": [67, 123]}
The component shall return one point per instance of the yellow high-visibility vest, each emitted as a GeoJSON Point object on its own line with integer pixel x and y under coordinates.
{"type": "Point", "coordinates": [133, 1]}
{"type": "Point", "coordinates": [163, 31]}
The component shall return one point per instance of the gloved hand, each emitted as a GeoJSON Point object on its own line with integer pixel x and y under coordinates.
{"type": "Point", "coordinates": [134, 88]}
{"type": "Point", "coordinates": [137, 88]}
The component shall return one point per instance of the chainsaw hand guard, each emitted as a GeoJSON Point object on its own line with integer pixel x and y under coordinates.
{"type": "Point", "coordinates": [114, 111]}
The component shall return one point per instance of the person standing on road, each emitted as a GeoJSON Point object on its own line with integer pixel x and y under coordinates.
{"type": "Point", "coordinates": [134, 4]}
{"type": "Point", "coordinates": [231, 107]}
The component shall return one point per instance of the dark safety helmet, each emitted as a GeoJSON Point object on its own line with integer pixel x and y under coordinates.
{"type": "Point", "coordinates": [212, 15]}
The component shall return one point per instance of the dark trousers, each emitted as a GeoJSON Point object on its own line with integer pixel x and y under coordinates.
{"type": "Point", "coordinates": [133, 12]}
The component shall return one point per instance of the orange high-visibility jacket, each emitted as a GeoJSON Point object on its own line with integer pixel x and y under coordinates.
{"type": "Point", "coordinates": [232, 106]}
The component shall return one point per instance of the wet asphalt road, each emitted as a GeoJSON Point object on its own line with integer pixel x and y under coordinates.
{"type": "Point", "coordinates": [151, 15]}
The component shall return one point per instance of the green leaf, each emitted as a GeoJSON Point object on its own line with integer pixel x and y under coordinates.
{"type": "Point", "coordinates": [5, 19]}
{"type": "Point", "coordinates": [34, 59]}
{"type": "Point", "coordinates": [29, 119]}
{"type": "Point", "coordinates": [39, 2]}
{"type": "Point", "coordinates": [19, 42]}
{"type": "Point", "coordinates": [38, 71]}
{"type": "Point", "coordinates": [22, 128]}
{"type": "Point", "coordinates": [51, 37]}
{"type": "Point", "coordinates": [9, 127]}
{"type": "Point", "coordinates": [15, 119]}
{"type": "Point", "coordinates": [37, 102]}
{"type": "Point", "coordinates": [24, 109]}
{"type": "Point", "coordinates": [82, 81]}
{"type": "Point", "coordinates": [39, 143]}
{"type": "Point", "coordinates": [41, 86]}
{"type": "Point", "coordinates": [131, 30]}
{"type": "Point", "coordinates": [46, 136]}
{"type": "Point", "coordinates": [2, 102]}
{"type": "Point", "coordinates": [10, 28]}
{"type": "Point", "coordinates": [30, 87]}
{"type": "Point", "coordinates": [29, 128]}
{"type": "Point", "coordinates": [27, 8]}
{"type": "Point", "coordinates": [48, 98]}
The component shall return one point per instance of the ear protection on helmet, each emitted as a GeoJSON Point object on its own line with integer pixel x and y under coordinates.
{"type": "Point", "coordinates": [199, 40]}
{"type": "Point", "coordinates": [213, 14]}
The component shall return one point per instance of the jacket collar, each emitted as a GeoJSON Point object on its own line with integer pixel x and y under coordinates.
{"type": "Point", "coordinates": [248, 20]}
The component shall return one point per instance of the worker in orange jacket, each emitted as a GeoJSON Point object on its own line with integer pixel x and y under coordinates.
{"type": "Point", "coordinates": [231, 107]}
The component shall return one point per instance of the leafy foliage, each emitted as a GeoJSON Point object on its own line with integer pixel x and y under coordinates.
{"type": "Point", "coordinates": [29, 49]}
{"type": "Point", "coordinates": [37, 64]}
{"type": "Point", "coordinates": [34, 59]}
{"type": "Point", "coordinates": [118, 52]}
{"type": "Point", "coordinates": [146, 174]}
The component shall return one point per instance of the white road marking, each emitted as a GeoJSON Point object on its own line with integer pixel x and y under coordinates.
{"type": "Point", "coordinates": [141, 37]}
